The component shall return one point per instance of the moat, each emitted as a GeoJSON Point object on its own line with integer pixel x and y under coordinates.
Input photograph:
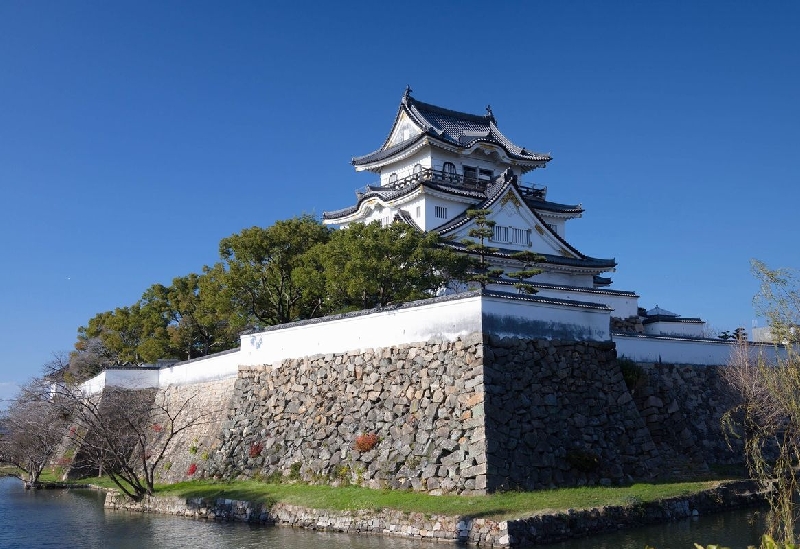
{"type": "Point", "coordinates": [76, 518]}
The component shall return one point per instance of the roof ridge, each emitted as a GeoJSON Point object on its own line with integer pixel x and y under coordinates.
{"type": "Point", "coordinates": [483, 118]}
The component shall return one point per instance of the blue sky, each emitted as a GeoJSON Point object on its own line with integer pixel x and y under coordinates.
{"type": "Point", "coordinates": [135, 135]}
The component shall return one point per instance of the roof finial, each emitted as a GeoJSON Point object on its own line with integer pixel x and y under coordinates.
{"type": "Point", "coordinates": [407, 92]}
{"type": "Point", "coordinates": [489, 111]}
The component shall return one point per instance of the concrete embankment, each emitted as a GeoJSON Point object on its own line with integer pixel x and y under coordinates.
{"type": "Point", "coordinates": [541, 528]}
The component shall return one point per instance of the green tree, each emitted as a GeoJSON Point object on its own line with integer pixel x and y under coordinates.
{"type": "Point", "coordinates": [483, 230]}
{"type": "Point", "coordinates": [365, 266]}
{"type": "Point", "coordinates": [180, 322]}
{"type": "Point", "coordinates": [259, 265]}
{"type": "Point", "coordinates": [528, 260]}
{"type": "Point", "coordinates": [120, 331]}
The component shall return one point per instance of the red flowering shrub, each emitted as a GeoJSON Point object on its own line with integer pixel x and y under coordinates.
{"type": "Point", "coordinates": [158, 427]}
{"type": "Point", "coordinates": [365, 443]}
{"type": "Point", "coordinates": [72, 431]}
{"type": "Point", "coordinates": [255, 449]}
{"type": "Point", "coordinates": [192, 469]}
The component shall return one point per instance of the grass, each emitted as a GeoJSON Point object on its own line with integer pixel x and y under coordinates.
{"type": "Point", "coordinates": [505, 505]}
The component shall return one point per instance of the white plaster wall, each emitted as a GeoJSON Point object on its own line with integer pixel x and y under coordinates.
{"type": "Point", "coordinates": [201, 370]}
{"type": "Point", "coordinates": [94, 385]}
{"type": "Point", "coordinates": [551, 277]}
{"type": "Point", "coordinates": [684, 329]}
{"type": "Point", "coordinates": [686, 351]}
{"type": "Point", "coordinates": [446, 320]}
{"type": "Point", "coordinates": [519, 318]}
{"type": "Point", "coordinates": [624, 306]}
{"type": "Point", "coordinates": [411, 208]}
{"type": "Point", "coordinates": [453, 209]}
{"type": "Point", "coordinates": [405, 167]}
{"type": "Point", "coordinates": [133, 378]}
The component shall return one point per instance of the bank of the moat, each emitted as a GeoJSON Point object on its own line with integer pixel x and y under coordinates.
{"type": "Point", "coordinates": [545, 527]}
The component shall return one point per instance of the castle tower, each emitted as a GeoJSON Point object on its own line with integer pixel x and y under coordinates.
{"type": "Point", "coordinates": [437, 163]}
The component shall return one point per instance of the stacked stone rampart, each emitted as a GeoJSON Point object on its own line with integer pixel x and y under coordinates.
{"type": "Point", "coordinates": [474, 415]}
{"type": "Point", "coordinates": [559, 413]}
{"type": "Point", "coordinates": [312, 418]}
{"type": "Point", "coordinates": [682, 407]}
{"type": "Point", "coordinates": [204, 405]}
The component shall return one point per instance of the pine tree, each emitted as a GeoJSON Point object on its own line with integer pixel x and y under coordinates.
{"type": "Point", "coordinates": [528, 259]}
{"type": "Point", "coordinates": [483, 230]}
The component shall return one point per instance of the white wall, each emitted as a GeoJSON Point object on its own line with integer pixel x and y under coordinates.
{"type": "Point", "coordinates": [210, 368]}
{"type": "Point", "coordinates": [447, 320]}
{"type": "Point", "coordinates": [129, 378]}
{"type": "Point", "coordinates": [411, 324]}
{"type": "Point", "coordinates": [685, 329]}
{"type": "Point", "coordinates": [623, 306]}
{"type": "Point", "coordinates": [683, 351]}
{"type": "Point", "coordinates": [541, 320]}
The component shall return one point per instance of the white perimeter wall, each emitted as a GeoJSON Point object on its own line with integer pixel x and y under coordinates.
{"type": "Point", "coordinates": [441, 320]}
{"type": "Point", "coordinates": [447, 320]}
{"type": "Point", "coordinates": [201, 370]}
{"type": "Point", "coordinates": [685, 329]}
{"type": "Point", "coordinates": [684, 351]}
{"type": "Point", "coordinates": [624, 306]}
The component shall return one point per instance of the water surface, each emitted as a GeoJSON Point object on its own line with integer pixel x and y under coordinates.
{"type": "Point", "coordinates": [34, 519]}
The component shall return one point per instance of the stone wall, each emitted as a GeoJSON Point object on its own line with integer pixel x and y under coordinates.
{"type": "Point", "coordinates": [559, 414]}
{"type": "Point", "coordinates": [204, 406]}
{"type": "Point", "coordinates": [303, 419]}
{"type": "Point", "coordinates": [474, 415]}
{"type": "Point", "coordinates": [632, 324]}
{"type": "Point", "coordinates": [682, 407]}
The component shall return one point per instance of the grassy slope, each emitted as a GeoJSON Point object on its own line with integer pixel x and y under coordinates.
{"type": "Point", "coordinates": [503, 505]}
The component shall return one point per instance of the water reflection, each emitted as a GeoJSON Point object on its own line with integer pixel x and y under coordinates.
{"type": "Point", "coordinates": [734, 529]}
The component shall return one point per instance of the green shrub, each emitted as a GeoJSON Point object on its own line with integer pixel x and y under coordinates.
{"type": "Point", "coordinates": [634, 375]}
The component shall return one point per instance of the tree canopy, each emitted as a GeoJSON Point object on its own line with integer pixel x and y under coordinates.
{"type": "Point", "coordinates": [292, 270]}
{"type": "Point", "coordinates": [365, 266]}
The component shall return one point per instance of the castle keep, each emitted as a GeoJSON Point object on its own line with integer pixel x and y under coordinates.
{"type": "Point", "coordinates": [471, 391]}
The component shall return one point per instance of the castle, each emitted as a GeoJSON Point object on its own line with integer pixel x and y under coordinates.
{"type": "Point", "coordinates": [466, 392]}
{"type": "Point", "coordinates": [437, 163]}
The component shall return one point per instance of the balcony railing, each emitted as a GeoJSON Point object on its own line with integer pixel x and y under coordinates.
{"type": "Point", "coordinates": [537, 192]}
{"type": "Point", "coordinates": [429, 175]}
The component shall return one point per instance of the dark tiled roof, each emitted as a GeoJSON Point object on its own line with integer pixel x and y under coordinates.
{"type": "Point", "coordinates": [455, 128]}
{"type": "Point", "coordinates": [602, 280]}
{"type": "Point", "coordinates": [404, 217]}
{"type": "Point", "coordinates": [678, 319]}
{"type": "Point", "coordinates": [551, 259]}
{"type": "Point", "coordinates": [570, 288]}
{"type": "Point", "coordinates": [553, 206]}
{"type": "Point", "coordinates": [387, 193]}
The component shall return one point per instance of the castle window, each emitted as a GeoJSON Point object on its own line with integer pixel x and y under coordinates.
{"type": "Point", "coordinates": [470, 174]}
{"type": "Point", "coordinates": [417, 167]}
{"type": "Point", "coordinates": [485, 175]}
{"type": "Point", "coordinates": [440, 212]}
{"type": "Point", "coordinates": [500, 233]}
{"type": "Point", "coordinates": [519, 236]}
{"type": "Point", "coordinates": [393, 178]}
{"type": "Point", "coordinates": [449, 170]}
{"type": "Point", "coordinates": [418, 211]}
